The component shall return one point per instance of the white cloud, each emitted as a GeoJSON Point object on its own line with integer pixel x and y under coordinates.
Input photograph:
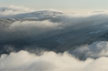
{"type": "Point", "coordinates": [49, 61]}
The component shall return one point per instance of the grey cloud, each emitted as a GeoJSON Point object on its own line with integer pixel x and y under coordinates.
{"type": "Point", "coordinates": [51, 30]}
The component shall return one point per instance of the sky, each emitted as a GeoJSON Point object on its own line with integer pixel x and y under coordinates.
{"type": "Point", "coordinates": [58, 4]}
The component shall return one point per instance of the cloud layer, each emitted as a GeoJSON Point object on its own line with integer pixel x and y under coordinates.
{"type": "Point", "coordinates": [49, 61]}
{"type": "Point", "coordinates": [94, 50]}
{"type": "Point", "coordinates": [28, 41]}
{"type": "Point", "coordinates": [51, 30]}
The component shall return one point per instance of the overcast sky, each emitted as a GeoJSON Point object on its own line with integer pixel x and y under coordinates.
{"type": "Point", "coordinates": [58, 4]}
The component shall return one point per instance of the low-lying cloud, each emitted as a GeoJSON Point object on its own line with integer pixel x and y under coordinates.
{"type": "Point", "coordinates": [94, 50]}
{"type": "Point", "coordinates": [49, 61]}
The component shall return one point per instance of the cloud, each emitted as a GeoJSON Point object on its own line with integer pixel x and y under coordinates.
{"type": "Point", "coordinates": [29, 26]}
{"type": "Point", "coordinates": [84, 37]}
{"type": "Point", "coordinates": [25, 29]}
{"type": "Point", "coordinates": [49, 61]}
{"type": "Point", "coordinates": [13, 10]}
{"type": "Point", "coordinates": [94, 50]}
{"type": "Point", "coordinates": [51, 30]}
